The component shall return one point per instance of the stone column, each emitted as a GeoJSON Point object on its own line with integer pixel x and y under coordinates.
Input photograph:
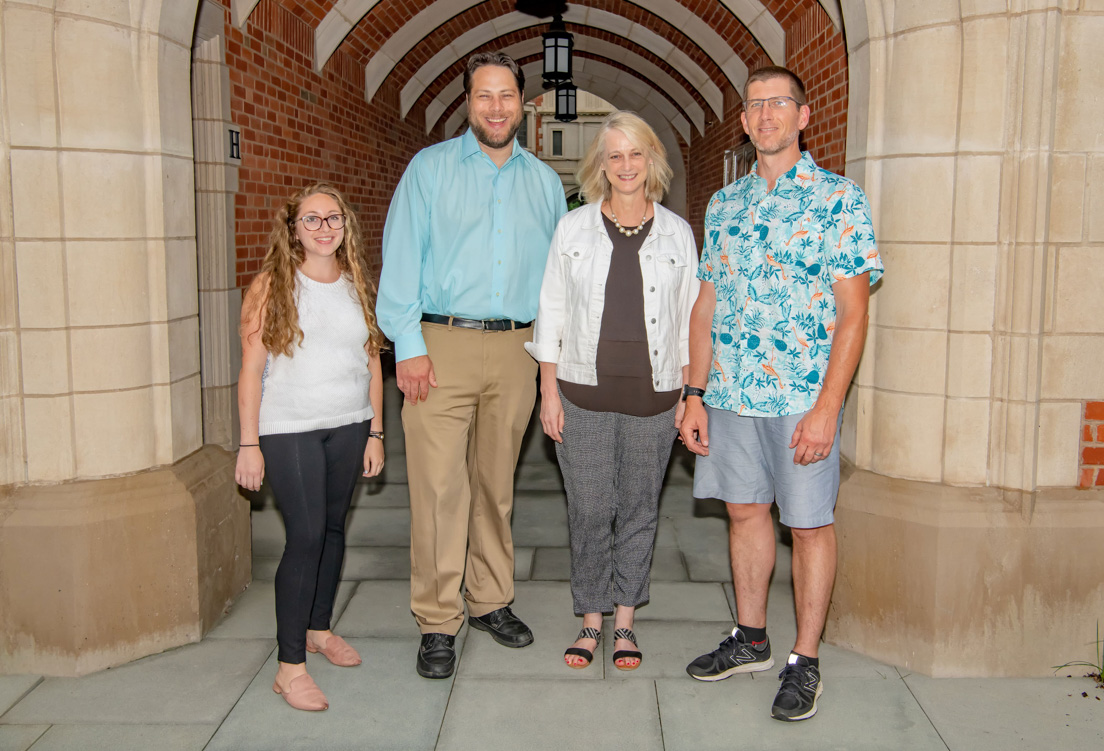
{"type": "Point", "coordinates": [119, 535]}
{"type": "Point", "coordinates": [964, 542]}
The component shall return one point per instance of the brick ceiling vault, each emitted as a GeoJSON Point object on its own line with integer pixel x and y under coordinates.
{"type": "Point", "coordinates": [687, 58]}
{"type": "Point", "coordinates": [663, 80]}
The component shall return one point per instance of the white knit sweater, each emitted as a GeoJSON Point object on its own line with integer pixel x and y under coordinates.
{"type": "Point", "coordinates": [325, 383]}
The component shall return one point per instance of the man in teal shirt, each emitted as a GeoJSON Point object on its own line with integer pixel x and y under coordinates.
{"type": "Point", "coordinates": [464, 251]}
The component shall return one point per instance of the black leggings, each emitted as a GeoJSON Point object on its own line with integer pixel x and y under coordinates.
{"type": "Point", "coordinates": [313, 476]}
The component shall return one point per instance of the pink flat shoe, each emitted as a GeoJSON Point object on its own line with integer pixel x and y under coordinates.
{"type": "Point", "coordinates": [304, 694]}
{"type": "Point", "coordinates": [337, 651]}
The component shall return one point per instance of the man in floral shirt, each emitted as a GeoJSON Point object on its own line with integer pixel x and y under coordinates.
{"type": "Point", "coordinates": [775, 336]}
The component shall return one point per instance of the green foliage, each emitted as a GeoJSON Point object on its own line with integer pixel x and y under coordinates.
{"type": "Point", "coordinates": [1096, 669]}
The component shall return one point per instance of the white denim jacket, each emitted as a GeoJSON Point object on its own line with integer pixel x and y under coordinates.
{"type": "Point", "coordinates": [573, 296]}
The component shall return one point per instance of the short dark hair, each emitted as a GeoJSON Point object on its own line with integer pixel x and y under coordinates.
{"type": "Point", "coordinates": [777, 71]}
{"type": "Point", "coordinates": [479, 59]}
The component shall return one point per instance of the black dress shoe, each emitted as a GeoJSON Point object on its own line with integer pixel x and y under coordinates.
{"type": "Point", "coordinates": [504, 627]}
{"type": "Point", "coordinates": [437, 656]}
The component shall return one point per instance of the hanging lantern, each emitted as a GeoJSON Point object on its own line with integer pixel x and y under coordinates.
{"type": "Point", "coordinates": [558, 45]}
{"type": "Point", "coordinates": [565, 102]}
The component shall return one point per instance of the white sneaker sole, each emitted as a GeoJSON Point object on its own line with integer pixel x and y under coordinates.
{"type": "Point", "coordinates": [748, 667]}
{"type": "Point", "coordinates": [807, 715]}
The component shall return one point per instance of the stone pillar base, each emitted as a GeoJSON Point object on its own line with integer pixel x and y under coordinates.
{"type": "Point", "coordinates": [101, 572]}
{"type": "Point", "coordinates": [956, 582]}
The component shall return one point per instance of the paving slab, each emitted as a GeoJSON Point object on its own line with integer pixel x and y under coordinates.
{"type": "Point", "coordinates": [540, 476]}
{"type": "Point", "coordinates": [668, 647]}
{"type": "Point", "coordinates": [853, 715]}
{"type": "Point", "coordinates": [268, 532]}
{"type": "Point", "coordinates": [523, 563]}
{"type": "Point", "coordinates": [680, 470]}
{"type": "Point", "coordinates": [126, 737]}
{"type": "Point", "coordinates": [546, 608]}
{"type": "Point", "coordinates": [665, 533]}
{"type": "Point", "coordinates": [13, 687]}
{"type": "Point", "coordinates": [378, 494]}
{"type": "Point", "coordinates": [253, 614]}
{"type": "Point", "coordinates": [1012, 713]}
{"type": "Point", "coordinates": [376, 563]}
{"type": "Point", "coordinates": [536, 447]}
{"type": "Point", "coordinates": [20, 737]}
{"type": "Point", "coordinates": [380, 704]}
{"type": "Point", "coordinates": [379, 609]}
{"type": "Point", "coordinates": [378, 526]}
{"type": "Point", "coordinates": [197, 684]}
{"type": "Point", "coordinates": [540, 521]}
{"type": "Point", "coordinates": [554, 564]}
{"type": "Point", "coordinates": [704, 543]}
{"type": "Point", "coordinates": [535, 715]}
{"type": "Point", "coordinates": [264, 567]}
{"type": "Point", "coordinates": [682, 601]}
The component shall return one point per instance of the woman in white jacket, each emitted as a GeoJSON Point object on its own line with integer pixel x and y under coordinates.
{"type": "Point", "coordinates": [612, 339]}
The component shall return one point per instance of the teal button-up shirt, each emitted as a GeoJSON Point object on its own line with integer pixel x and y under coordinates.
{"type": "Point", "coordinates": [773, 257]}
{"type": "Point", "coordinates": [465, 238]}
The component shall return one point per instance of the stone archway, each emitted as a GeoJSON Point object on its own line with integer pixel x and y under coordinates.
{"type": "Point", "coordinates": [964, 543]}
{"type": "Point", "coordinates": [121, 535]}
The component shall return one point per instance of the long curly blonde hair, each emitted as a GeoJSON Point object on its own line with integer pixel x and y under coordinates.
{"type": "Point", "coordinates": [281, 333]}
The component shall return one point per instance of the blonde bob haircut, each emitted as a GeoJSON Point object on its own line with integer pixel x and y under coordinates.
{"type": "Point", "coordinates": [592, 178]}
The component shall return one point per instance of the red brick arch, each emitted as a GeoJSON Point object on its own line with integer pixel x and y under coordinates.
{"type": "Point", "coordinates": [457, 68]}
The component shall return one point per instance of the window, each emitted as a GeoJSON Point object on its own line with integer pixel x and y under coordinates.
{"type": "Point", "coordinates": [523, 131]}
{"type": "Point", "coordinates": [557, 143]}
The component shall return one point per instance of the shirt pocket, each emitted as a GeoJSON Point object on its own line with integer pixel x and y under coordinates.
{"type": "Point", "coordinates": [670, 268]}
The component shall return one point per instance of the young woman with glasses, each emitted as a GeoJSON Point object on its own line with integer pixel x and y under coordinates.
{"type": "Point", "coordinates": [310, 401]}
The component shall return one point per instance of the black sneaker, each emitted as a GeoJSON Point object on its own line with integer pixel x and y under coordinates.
{"type": "Point", "coordinates": [735, 655]}
{"type": "Point", "coordinates": [798, 694]}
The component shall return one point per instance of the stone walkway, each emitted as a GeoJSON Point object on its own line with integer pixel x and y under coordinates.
{"type": "Point", "coordinates": [217, 694]}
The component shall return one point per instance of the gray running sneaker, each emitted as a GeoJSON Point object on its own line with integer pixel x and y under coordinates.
{"type": "Point", "coordinates": [798, 694]}
{"type": "Point", "coordinates": [735, 655]}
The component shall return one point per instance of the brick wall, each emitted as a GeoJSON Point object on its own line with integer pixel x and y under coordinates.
{"type": "Point", "coordinates": [1092, 445]}
{"type": "Point", "coordinates": [299, 126]}
{"type": "Point", "coordinates": [818, 54]}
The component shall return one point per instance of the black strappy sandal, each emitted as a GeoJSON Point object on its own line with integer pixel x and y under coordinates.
{"type": "Point", "coordinates": [623, 654]}
{"type": "Point", "coordinates": [586, 654]}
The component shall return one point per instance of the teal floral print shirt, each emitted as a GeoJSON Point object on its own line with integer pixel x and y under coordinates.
{"type": "Point", "coordinates": [773, 258]}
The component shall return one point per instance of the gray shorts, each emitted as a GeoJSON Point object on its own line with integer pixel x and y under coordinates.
{"type": "Point", "coordinates": [750, 461]}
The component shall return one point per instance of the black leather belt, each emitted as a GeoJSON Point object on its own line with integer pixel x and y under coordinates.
{"type": "Point", "coordinates": [493, 324]}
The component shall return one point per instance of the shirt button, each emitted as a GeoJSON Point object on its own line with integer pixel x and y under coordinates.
{"type": "Point", "coordinates": [500, 263]}
{"type": "Point", "coordinates": [576, 254]}
{"type": "Point", "coordinates": [500, 232]}
{"type": "Point", "coordinates": [496, 294]}
{"type": "Point", "coordinates": [647, 258]}
{"type": "Point", "coordinates": [651, 289]}
{"type": "Point", "coordinates": [653, 320]}
{"type": "Point", "coordinates": [655, 351]}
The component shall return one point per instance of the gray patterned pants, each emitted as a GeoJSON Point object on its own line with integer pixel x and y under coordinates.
{"type": "Point", "coordinates": [613, 467]}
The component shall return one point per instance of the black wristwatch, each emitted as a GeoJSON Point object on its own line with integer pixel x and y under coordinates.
{"type": "Point", "coordinates": [689, 390]}
{"type": "Point", "coordinates": [375, 434]}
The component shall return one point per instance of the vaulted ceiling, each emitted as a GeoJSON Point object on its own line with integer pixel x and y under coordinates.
{"type": "Point", "coordinates": [669, 60]}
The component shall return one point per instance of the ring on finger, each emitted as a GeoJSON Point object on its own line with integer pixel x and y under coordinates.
{"type": "Point", "coordinates": [817, 454]}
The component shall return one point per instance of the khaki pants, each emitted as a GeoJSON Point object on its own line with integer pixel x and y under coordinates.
{"type": "Point", "coordinates": [462, 446]}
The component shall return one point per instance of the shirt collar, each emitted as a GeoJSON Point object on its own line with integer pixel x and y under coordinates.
{"type": "Point", "coordinates": [469, 146]}
{"type": "Point", "coordinates": [804, 166]}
